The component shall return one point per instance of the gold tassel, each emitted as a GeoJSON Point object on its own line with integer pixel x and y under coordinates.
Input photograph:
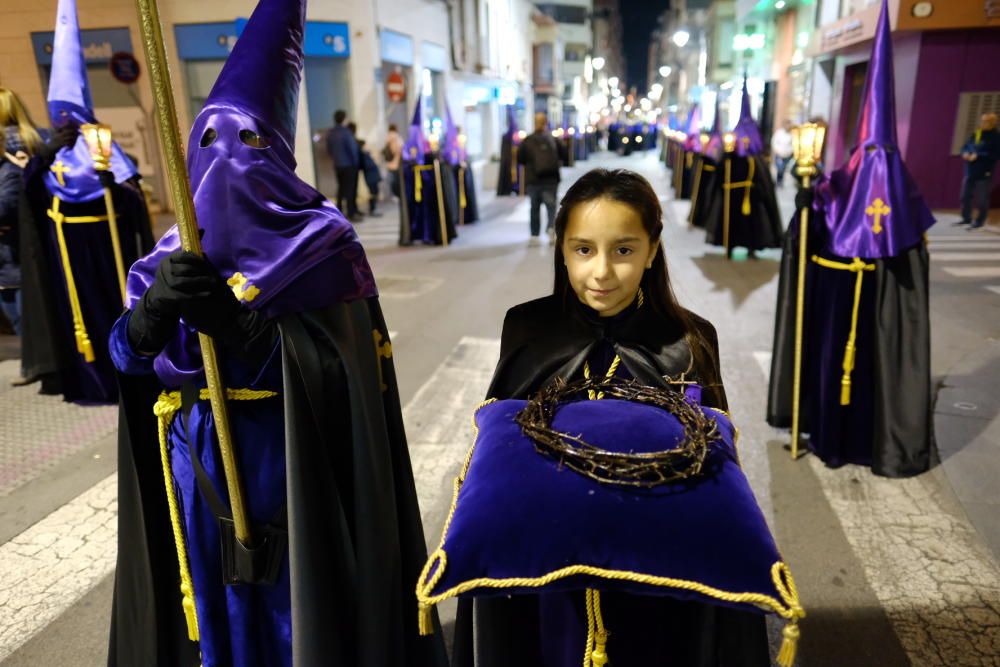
{"type": "Point", "coordinates": [190, 613]}
{"type": "Point", "coordinates": [745, 209]}
{"type": "Point", "coordinates": [425, 619]}
{"type": "Point", "coordinates": [599, 656]}
{"type": "Point", "coordinates": [845, 380]}
{"type": "Point", "coordinates": [789, 645]}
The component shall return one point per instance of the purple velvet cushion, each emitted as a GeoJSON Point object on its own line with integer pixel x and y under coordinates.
{"type": "Point", "coordinates": [521, 523]}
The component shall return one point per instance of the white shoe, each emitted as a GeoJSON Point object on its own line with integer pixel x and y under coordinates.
{"type": "Point", "coordinates": [534, 241]}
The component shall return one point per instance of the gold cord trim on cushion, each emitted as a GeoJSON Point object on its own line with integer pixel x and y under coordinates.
{"type": "Point", "coordinates": [857, 266]}
{"type": "Point", "coordinates": [788, 607]}
{"type": "Point", "coordinates": [165, 409]}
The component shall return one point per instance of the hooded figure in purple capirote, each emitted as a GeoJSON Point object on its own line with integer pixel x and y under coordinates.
{"type": "Point", "coordinates": [867, 396]}
{"type": "Point", "coordinates": [455, 163]}
{"type": "Point", "coordinates": [741, 210]}
{"type": "Point", "coordinates": [683, 163]}
{"type": "Point", "coordinates": [509, 178]}
{"type": "Point", "coordinates": [68, 257]}
{"type": "Point", "coordinates": [705, 161]}
{"type": "Point", "coordinates": [421, 206]}
{"type": "Point", "coordinates": [286, 292]}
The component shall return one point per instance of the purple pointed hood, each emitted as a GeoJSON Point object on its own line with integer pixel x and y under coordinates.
{"type": "Point", "coordinates": [416, 143]}
{"type": "Point", "coordinates": [873, 208]}
{"type": "Point", "coordinates": [73, 177]}
{"type": "Point", "coordinates": [748, 139]}
{"type": "Point", "coordinates": [693, 129]}
{"type": "Point", "coordinates": [715, 148]}
{"type": "Point", "coordinates": [282, 246]}
{"type": "Point", "coordinates": [451, 148]}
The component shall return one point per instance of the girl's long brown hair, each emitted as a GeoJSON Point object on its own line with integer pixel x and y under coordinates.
{"type": "Point", "coordinates": [12, 112]}
{"type": "Point", "coordinates": [631, 189]}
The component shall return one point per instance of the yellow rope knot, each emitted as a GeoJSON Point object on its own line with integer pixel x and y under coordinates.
{"type": "Point", "coordinates": [166, 406]}
{"type": "Point", "coordinates": [858, 266]}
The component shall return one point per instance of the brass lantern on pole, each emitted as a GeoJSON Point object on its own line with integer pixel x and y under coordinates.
{"type": "Point", "coordinates": [98, 138]}
{"type": "Point", "coordinates": [807, 146]}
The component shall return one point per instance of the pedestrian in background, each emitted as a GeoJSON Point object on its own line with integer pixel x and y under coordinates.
{"type": "Point", "coordinates": [541, 157]}
{"type": "Point", "coordinates": [782, 150]}
{"type": "Point", "coordinates": [19, 140]}
{"type": "Point", "coordinates": [346, 156]}
{"type": "Point", "coordinates": [981, 153]}
{"type": "Point", "coordinates": [392, 155]}
{"type": "Point", "coordinates": [373, 178]}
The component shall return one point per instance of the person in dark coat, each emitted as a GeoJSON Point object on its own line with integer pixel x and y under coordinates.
{"type": "Point", "coordinates": [593, 317]}
{"type": "Point", "coordinates": [541, 156]}
{"type": "Point", "coordinates": [373, 178]}
{"type": "Point", "coordinates": [286, 293]}
{"type": "Point", "coordinates": [981, 153]}
{"type": "Point", "coordinates": [346, 156]}
{"type": "Point", "coordinates": [19, 140]}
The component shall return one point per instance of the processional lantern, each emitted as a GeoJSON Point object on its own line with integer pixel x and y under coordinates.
{"type": "Point", "coordinates": [807, 147]}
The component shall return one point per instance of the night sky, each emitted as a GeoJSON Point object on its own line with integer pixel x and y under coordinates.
{"type": "Point", "coordinates": [638, 21]}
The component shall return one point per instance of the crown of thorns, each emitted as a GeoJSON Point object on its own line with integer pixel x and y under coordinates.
{"type": "Point", "coordinates": [642, 469]}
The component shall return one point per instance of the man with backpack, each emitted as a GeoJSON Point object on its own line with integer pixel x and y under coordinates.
{"type": "Point", "coordinates": [541, 156]}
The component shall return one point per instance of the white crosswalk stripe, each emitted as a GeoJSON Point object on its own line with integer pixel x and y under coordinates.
{"type": "Point", "coordinates": [954, 254]}
{"type": "Point", "coordinates": [973, 271]}
{"type": "Point", "coordinates": [966, 256]}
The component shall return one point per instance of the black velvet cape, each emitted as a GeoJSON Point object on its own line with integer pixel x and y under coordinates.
{"type": "Point", "coordinates": [545, 339]}
{"type": "Point", "coordinates": [762, 227]}
{"type": "Point", "coordinates": [889, 423]}
{"type": "Point", "coordinates": [356, 543]}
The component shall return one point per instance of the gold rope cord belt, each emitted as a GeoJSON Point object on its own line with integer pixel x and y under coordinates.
{"type": "Point", "coordinates": [859, 267]}
{"type": "Point", "coordinates": [747, 184]}
{"type": "Point", "coordinates": [461, 188]}
{"type": "Point", "coordinates": [418, 189]}
{"type": "Point", "coordinates": [165, 409]}
{"type": "Point", "coordinates": [83, 344]}
{"type": "Point", "coordinates": [788, 607]}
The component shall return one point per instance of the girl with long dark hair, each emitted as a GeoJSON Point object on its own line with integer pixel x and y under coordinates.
{"type": "Point", "coordinates": [612, 312]}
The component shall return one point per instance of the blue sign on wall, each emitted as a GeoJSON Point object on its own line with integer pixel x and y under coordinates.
{"type": "Point", "coordinates": [98, 45]}
{"type": "Point", "coordinates": [323, 39]}
{"type": "Point", "coordinates": [205, 41]}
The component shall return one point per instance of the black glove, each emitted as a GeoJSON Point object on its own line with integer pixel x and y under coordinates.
{"type": "Point", "coordinates": [188, 286]}
{"type": "Point", "coordinates": [804, 199]}
{"type": "Point", "coordinates": [107, 178]}
{"type": "Point", "coordinates": [61, 137]}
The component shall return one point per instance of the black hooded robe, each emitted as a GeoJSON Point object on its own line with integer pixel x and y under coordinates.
{"type": "Point", "coordinates": [48, 346]}
{"type": "Point", "coordinates": [356, 543]}
{"type": "Point", "coordinates": [757, 229]}
{"type": "Point", "coordinates": [704, 181]}
{"type": "Point", "coordinates": [508, 181]}
{"type": "Point", "coordinates": [885, 428]}
{"type": "Point", "coordinates": [545, 339]}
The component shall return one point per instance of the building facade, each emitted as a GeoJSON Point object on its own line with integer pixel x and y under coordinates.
{"type": "Point", "coordinates": [370, 59]}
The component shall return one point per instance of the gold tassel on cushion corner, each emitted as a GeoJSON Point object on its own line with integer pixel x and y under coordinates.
{"type": "Point", "coordinates": [425, 619]}
{"type": "Point", "coordinates": [789, 645]}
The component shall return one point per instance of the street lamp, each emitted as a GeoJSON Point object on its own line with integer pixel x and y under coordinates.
{"type": "Point", "coordinates": [681, 38]}
{"type": "Point", "coordinates": [807, 147]}
{"type": "Point", "coordinates": [665, 71]}
{"type": "Point", "coordinates": [598, 63]}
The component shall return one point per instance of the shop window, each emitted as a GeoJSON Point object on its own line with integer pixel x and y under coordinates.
{"type": "Point", "coordinates": [563, 13]}
{"type": "Point", "coordinates": [971, 107]}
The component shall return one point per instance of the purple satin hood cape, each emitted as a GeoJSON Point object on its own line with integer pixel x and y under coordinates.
{"type": "Point", "coordinates": [280, 244]}
{"type": "Point", "coordinates": [873, 208]}
{"type": "Point", "coordinates": [693, 130]}
{"type": "Point", "coordinates": [416, 144]}
{"type": "Point", "coordinates": [748, 139]}
{"type": "Point", "coordinates": [451, 148]}
{"type": "Point", "coordinates": [74, 178]}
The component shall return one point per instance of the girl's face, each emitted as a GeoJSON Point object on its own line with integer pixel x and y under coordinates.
{"type": "Point", "coordinates": [606, 250]}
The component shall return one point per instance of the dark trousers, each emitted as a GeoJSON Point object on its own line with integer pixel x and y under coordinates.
{"type": "Point", "coordinates": [10, 303]}
{"type": "Point", "coordinates": [542, 194]}
{"type": "Point", "coordinates": [780, 164]}
{"type": "Point", "coordinates": [347, 191]}
{"type": "Point", "coordinates": [394, 182]}
{"type": "Point", "coordinates": [976, 194]}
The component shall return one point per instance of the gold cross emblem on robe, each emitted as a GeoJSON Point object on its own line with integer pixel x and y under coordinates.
{"type": "Point", "coordinates": [242, 288]}
{"type": "Point", "coordinates": [878, 209]}
{"type": "Point", "coordinates": [59, 169]}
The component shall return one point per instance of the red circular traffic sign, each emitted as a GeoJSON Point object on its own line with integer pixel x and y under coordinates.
{"type": "Point", "coordinates": [395, 87]}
